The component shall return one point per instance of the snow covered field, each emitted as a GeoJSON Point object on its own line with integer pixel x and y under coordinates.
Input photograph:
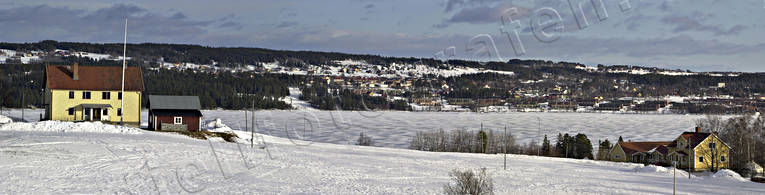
{"type": "Point", "coordinates": [395, 129]}
{"type": "Point", "coordinates": [53, 162]}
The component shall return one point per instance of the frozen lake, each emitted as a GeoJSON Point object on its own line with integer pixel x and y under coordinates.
{"type": "Point", "coordinates": [395, 129]}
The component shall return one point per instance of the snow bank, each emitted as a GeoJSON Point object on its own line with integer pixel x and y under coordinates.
{"type": "Point", "coordinates": [216, 126]}
{"type": "Point", "coordinates": [728, 174]}
{"type": "Point", "coordinates": [58, 126]}
{"type": "Point", "coordinates": [661, 170]}
{"type": "Point", "coordinates": [651, 169]}
{"type": "Point", "coordinates": [5, 119]}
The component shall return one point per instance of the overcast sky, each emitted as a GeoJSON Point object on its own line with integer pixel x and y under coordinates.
{"type": "Point", "coordinates": [705, 35]}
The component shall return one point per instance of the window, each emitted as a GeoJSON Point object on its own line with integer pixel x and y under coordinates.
{"type": "Point", "coordinates": [177, 120]}
{"type": "Point", "coordinates": [86, 95]}
{"type": "Point", "coordinates": [105, 112]}
{"type": "Point", "coordinates": [119, 111]}
{"type": "Point", "coordinates": [680, 144]}
{"type": "Point", "coordinates": [86, 111]}
{"type": "Point", "coordinates": [712, 145]}
{"type": "Point", "coordinates": [71, 111]}
{"type": "Point", "coordinates": [701, 159]}
{"type": "Point", "coordinates": [71, 94]}
{"type": "Point", "coordinates": [617, 156]}
{"type": "Point", "coordinates": [119, 95]}
{"type": "Point", "coordinates": [722, 158]}
{"type": "Point", "coordinates": [106, 95]}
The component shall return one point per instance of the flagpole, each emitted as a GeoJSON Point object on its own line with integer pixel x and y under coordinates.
{"type": "Point", "coordinates": [124, 64]}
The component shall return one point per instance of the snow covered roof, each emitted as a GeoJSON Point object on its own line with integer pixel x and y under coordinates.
{"type": "Point", "coordinates": [754, 166]}
{"type": "Point", "coordinates": [634, 147]}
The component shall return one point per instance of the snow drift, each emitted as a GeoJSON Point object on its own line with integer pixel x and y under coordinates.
{"type": "Point", "coordinates": [59, 126]}
{"type": "Point", "coordinates": [5, 119]}
{"type": "Point", "coordinates": [728, 174]}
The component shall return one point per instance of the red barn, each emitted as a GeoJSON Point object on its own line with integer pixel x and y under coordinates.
{"type": "Point", "coordinates": [174, 113]}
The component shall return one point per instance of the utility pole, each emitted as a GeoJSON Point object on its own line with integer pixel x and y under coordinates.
{"type": "Point", "coordinates": [567, 146]}
{"type": "Point", "coordinates": [246, 123]}
{"type": "Point", "coordinates": [252, 127]}
{"type": "Point", "coordinates": [124, 65]}
{"type": "Point", "coordinates": [674, 177]}
{"type": "Point", "coordinates": [22, 107]}
{"type": "Point", "coordinates": [539, 131]}
{"type": "Point", "coordinates": [504, 147]}
{"type": "Point", "coordinates": [690, 157]}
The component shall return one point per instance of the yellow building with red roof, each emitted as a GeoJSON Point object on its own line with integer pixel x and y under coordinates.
{"type": "Point", "coordinates": [703, 151]}
{"type": "Point", "coordinates": [93, 93]}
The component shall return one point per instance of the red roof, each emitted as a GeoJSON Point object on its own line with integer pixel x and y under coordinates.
{"type": "Point", "coordinates": [633, 147]}
{"type": "Point", "coordinates": [94, 78]}
{"type": "Point", "coordinates": [696, 138]}
{"type": "Point", "coordinates": [663, 149]}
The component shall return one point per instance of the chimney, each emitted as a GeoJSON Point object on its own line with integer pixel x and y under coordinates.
{"type": "Point", "coordinates": [76, 71]}
{"type": "Point", "coordinates": [698, 129]}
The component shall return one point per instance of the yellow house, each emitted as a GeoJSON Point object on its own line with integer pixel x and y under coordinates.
{"type": "Point", "coordinates": [703, 151]}
{"type": "Point", "coordinates": [93, 93]}
{"type": "Point", "coordinates": [639, 152]}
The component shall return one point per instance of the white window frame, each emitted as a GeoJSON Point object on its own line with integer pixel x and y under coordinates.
{"type": "Point", "coordinates": [177, 120]}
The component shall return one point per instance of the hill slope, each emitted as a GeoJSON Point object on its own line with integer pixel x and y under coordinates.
{"type": "Point", "coordinates": [44, 162]}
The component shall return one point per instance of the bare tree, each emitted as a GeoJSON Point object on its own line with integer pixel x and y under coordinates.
{"type": "Point", "coordinates": [711, 123]}
{"type": "Point", "coordinates": [469, 182]}
{"type": "Point", "coordinates": [744, 134]}
{"type": "Point", "coordinates": [364, 140]}
{"type": "Point", "coordinates": [710, 156]}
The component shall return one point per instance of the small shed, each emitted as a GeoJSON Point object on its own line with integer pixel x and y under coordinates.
{"type": "Point", "coordinates": [174, 113]}
{"type": "Point", "coordinates": [754, 168]}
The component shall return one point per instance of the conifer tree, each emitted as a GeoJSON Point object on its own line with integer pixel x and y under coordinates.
{"type": "Point", "coordinates": [545, 147]}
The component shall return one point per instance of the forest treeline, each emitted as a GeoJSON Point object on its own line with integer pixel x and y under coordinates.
{"type": "Point", "coordinates": [491, 142]}
{"type": "Point", "coordinates": [22, 85]}
{"type": "Point", "coordinates": [321, 97]}
{"type": "Point", "coordinates": [147, 54]}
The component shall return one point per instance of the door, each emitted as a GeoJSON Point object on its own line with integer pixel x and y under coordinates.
{"type": "Point", "coordinates": [86, 114]}
{"type": "Point", "coordinates": [105, 114]}
{"type": "Point", "coordinates": [96, 114]}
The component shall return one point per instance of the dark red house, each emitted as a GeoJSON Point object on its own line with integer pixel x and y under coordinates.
{"type": "Point", "coordinates": [174, 113]}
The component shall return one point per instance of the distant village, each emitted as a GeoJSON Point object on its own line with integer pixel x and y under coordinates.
{"type": "Point", "coordinates": [427, 88]}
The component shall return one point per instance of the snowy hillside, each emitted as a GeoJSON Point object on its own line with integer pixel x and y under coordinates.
{"type": "Point", "coordinates": [294, 100]}
{"type": "Point", "coordinates": [48, 162]}
{"type": "Point", "coordinates": [396, 129]}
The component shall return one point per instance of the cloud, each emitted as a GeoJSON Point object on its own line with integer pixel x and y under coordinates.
{"type": "Point", "coordinates": [633, 22]}
{"type": "Point", "coordinates": [637, 48]}
{"type": "Point", "coordinates": [695, 22]}
{"type": "Point", "coordinates": [34, 23]}
{"type": "Point", "coordinates": [454, 4]}
{"type": "Point", "coordinates": [369, 6]}
{"type": "Point", "coordinates": [483, 15]}
{"type": "Point", "coordinates": [231, 25]}
{"type": "Point", "coordinates": [286, 24]}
